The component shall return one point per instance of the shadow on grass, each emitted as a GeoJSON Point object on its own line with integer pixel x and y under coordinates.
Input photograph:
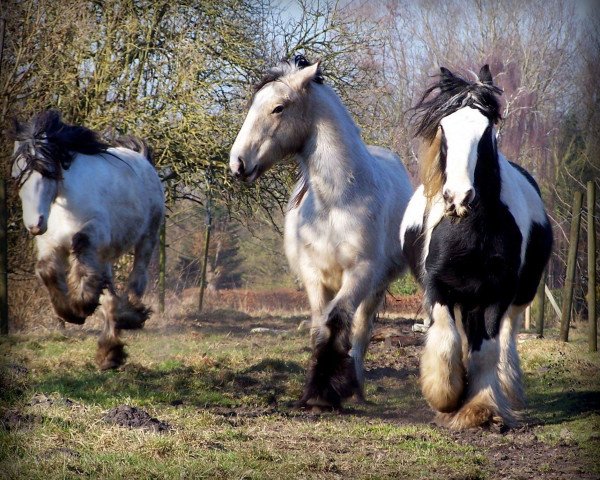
{"type": "Point", "coordinates": [201, 386]}
{"type": "Point", "coordinates": [555, 408]}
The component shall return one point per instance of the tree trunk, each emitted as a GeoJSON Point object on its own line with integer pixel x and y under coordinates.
{"type": "Point", "coordinates": [162, 266]}
{"type": "Point", "coordinates": [205, 253]}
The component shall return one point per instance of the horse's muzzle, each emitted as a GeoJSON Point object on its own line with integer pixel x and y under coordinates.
{"type": "Point", "coordinates": [38, 229]}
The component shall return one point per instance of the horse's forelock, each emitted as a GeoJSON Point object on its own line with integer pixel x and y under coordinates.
{"type": "Point", "coordinates": [453, 93]}
{"type": "Point", "coordinates": [282, 69]}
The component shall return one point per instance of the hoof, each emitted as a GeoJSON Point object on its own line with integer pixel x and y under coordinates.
{"type": "Point", "coordinates": [110, 354]}
{"type": "Point", "coordinates": [470, 417]}
{"type": "Point", "coordinates": [131, 316]}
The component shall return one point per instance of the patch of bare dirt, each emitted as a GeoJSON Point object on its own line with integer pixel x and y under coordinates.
{"type": "Point", "coordinates": [133, 417]}
{"type": "Point", "coordinates": [518, 454]}
{"type": "Point", "coordinates": [43, 400]}
{"type": "Point", "coordinates": [13, 420]}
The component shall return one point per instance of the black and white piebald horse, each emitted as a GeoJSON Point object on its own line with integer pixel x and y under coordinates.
{"type": "Point", "coordinates": [477, 237]}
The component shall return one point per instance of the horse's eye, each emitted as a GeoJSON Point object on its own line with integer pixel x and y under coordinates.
{"type": "Point", "coordinates": [278, 109]}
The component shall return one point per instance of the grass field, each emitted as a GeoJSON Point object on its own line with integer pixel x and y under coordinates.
{"type": "Point", "coordinates": [220, 404]}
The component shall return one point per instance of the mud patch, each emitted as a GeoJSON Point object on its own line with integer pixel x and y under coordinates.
{"type": "Point", "coordinates": [43, 400]}
{"type": "Point", "coordinates": [133, 417]}
{"type": "Point", "coordinates": [12, 420]}
{"type": "Point", "coordinates": [519, 455]}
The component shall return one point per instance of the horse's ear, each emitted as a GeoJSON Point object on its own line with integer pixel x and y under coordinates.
{"type": "Point", "coordinates": [485, 76]}
{"type": "Point", "coordinates": [306, 75]}
{"type": "Point", "coordinates": [445, 73]}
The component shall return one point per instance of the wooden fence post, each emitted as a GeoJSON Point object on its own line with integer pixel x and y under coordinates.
{"type": "Point", "coordinates": [539, 300]}
{"type": "Point", "coordinates": [162, 265]}
{"type": "Point", "coordinates": [591, 241]}
{"type": "Point", "coordinates": [567, 299]}
{"type": "Point", "coordinates": [3, 260]}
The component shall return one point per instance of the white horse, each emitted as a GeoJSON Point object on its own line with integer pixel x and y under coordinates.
{"type": "Point", "coordinates": [341, 227]}
{"type": "Point", "coordinates": [88, 204]}
{"type": "Point", "coordinates": [477, 237]}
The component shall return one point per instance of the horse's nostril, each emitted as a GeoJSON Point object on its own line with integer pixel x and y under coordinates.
{"type": "Point", "coordinates": [40, 221]}
{"type": "Point", "coordinates": [241, 167]}
{"type": "Point", "coordinates": [468, 198]}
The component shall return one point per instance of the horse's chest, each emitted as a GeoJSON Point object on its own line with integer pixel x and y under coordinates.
{"type": "Point", "coordinates": [328, 247]}
{"type": "Point", "coordinates": [476, 255]}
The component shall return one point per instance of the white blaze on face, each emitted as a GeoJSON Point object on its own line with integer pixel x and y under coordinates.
{"type": "Point", "coordinates": [37, 194]}
{"type": "Point", "coordinates": [462, 130]}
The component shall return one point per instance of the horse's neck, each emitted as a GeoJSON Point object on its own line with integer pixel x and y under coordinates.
{"type": "Point", "coordinates": [335, 159]}
{"type": "Point", "coordinates": [488, 181]}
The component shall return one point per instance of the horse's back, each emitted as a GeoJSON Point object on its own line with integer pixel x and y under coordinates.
{"type": "Point", "coordinates": [522, 196]}
{"type": "Point", "coordinates": [120, 190]}
{"type": "Point", "coordinates": [391, 169]}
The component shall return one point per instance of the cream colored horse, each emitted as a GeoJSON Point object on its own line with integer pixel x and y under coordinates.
{"type": "Point", "coordinates": [342, 223]}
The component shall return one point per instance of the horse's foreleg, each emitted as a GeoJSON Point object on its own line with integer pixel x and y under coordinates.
{"type": "Point", "coordinates": [51, 270]}
{"type": "Point", "coordinates": [442, 369]}
{"type": "Point", "coordinates": [111, 350]}
{"type": "Point", "coordinates": [85, 278]}
{"type": "Point", "coordinates": [331, 375]}
{"type": "Point", "coordinates": [485, 401]}
{"type": "Point", "coordinates": [361, 335]}
{"type": "Point", "coordinates": [509, 367]}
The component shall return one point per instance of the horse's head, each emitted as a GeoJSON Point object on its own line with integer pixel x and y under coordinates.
{"type": "Point", "coordinates": [37, 169]}
{"type": "Point", "coordinates": [458, 126]}
{"type": "Point", "coordinates": [36, 190]}
{"type": "Point", "coordinates": [277, 123]}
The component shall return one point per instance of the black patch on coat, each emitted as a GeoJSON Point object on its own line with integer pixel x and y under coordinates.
{"type": "Point", "coordinates": [412, 247]}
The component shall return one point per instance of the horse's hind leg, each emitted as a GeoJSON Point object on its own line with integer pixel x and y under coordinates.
{"type": "Point", "coordinates": [131, 312]}
{"type": "Point", "coordinates": [51, 270]}
{"type": "Point", "coordinates": [85, 279]}
{"type": "Point", "coordinates": [509, 367]}
{"type": "Point", "coordinates": [442, 369]}
{"type": "Point", "coordinates": [111, 350]}
{"type": "Point", "coordinates": [361, 335]}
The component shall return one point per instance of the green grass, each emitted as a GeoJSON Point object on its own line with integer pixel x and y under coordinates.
{"type": "Point", "coordinates": [229, 400]}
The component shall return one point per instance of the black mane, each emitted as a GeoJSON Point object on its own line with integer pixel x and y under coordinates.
{"type": "Point", "coordinates": [454, 94]}
{"type": "Point", "coordinates": [285, 67]}
{"type": "Point", "coordinates": [48, 145]}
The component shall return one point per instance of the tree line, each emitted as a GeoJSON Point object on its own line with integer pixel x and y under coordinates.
{"type": "Point", "coordinates": [180, 73]}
